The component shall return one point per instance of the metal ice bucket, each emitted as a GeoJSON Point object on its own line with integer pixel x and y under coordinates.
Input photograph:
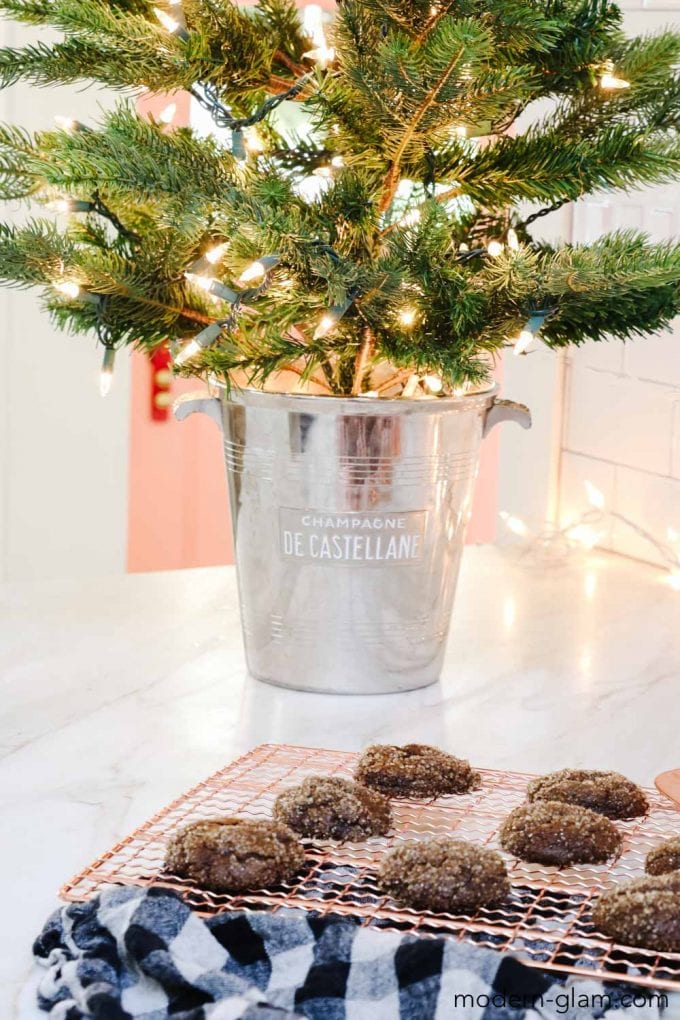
{"type": "Point", "coordinates": [349, 518]}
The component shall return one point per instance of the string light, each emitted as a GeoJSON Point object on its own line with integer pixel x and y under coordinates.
{"type": "Point", "coordinates": [331, 318]}
{"type": "Point", "coordinates": [433, 383]}
{"type": "Point", "coordinates": [67, 205]}
{"type": "Point", "coordinates": [256, 270]}
{"type": "Point", "coordinates": [213, 255]}
{"type": "Point", "coordinates": [523, 342]}
{"type": "Point", "coordinates": [312, 24]}
{"type": "Point", "coordinates": [68, 287]}
{"type": "Point", "coordinates": [595, 496]}
{"type": "Point", "coordinates": [326, 324]}
{"type": "Point", "coordinates": [204, 282]}
{"type": "Point", "coordinates": [587, 531]}
{"type": "Point", "coordinates": [202, 340]}
{"type": "Point", "coordinates": [463, 246]}
{"type": "Point", "coordinates": [323, 55]}
{"type": "Point", "coordinates": [167, 115]}
{"type": "Point", "coordinates": [610, 81]}
{"type": "Point", "coordinates": [512, 239]}
{"type": "Point", "coordinates": [459, 131]}
{"type": "Point", "coordinates": [106, 374]}
{"type": "Point", "coordinates": [407, 317]}
{"type": "Point", "coordinates": [212, 286]}
{"type": "Point", "coordinates": [169, 23]}
{"type": "Point", "coordinates": [410, 386]}
{"type": "Point", "coordinates": [188, 352]}
{"type": "Point", "coordinates": [323, 171]}
{"type": "Point", "coordinates": [66, 123]}
{"type": "Point", "coordinates": [514, 524]}
{"type": "Point", "coordinates": [58, 205]}
{"type": "Point", "coordinates": [584, 535]}
{"type": "Point", "coordinates": [337, 162]}
{"type": "Point", "coordinates": [673, 579]}
{"type": "Point", "coordinates": [494, 248]}
{"type": "Point", "coordinates": [253, 141]}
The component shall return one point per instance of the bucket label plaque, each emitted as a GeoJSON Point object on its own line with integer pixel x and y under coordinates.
{"type": "Point", "coordinates": [373, 538]}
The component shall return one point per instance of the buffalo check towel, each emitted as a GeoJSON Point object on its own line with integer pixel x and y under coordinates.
{"type": "Point", "coordinates": [142, 954]}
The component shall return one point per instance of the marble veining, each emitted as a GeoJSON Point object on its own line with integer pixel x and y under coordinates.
{"type": "Point", "coordinates": [120, 693]}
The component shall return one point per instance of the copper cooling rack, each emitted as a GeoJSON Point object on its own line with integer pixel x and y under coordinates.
{"type": "Point", "coordinates": [546, 922]}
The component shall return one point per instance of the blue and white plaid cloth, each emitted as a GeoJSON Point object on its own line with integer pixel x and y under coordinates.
{"type": "Point", "coordinates": [142, 954]}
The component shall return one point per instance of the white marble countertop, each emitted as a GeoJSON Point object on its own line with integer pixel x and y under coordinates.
{"type": "Point", "coordinates": [118, 694]}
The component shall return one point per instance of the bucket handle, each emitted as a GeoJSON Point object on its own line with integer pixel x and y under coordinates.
{"type": "Point", "coordinates": [202, 403]}
{"type": "Point", "coordinates": [506, 410]}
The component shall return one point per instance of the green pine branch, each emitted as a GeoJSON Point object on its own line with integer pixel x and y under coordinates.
{"type": "Point", "coordinates": [377, 208]}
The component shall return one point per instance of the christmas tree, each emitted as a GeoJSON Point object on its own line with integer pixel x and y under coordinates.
{"type": "Point", "coordinates": [362, 216]}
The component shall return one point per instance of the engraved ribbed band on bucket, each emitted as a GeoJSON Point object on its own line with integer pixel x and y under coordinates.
{"type": "Point", "coordinates": [349, 519]}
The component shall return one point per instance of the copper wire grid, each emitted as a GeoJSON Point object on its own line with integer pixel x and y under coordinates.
{"type": "Point", "coordinates": [546, 922]}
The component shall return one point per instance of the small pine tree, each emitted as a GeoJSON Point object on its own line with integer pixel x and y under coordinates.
{"type": "Point", "coordinates": [384, 237]}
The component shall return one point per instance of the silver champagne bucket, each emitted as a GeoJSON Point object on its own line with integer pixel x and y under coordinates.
{"type": "Point", "coordinates": [349, 518]}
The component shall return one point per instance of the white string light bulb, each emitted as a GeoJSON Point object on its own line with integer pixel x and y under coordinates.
{"type": "Point", "coordinates": [213, 255]}
{"type": "Point", "coordinates": [69, 288]}
{"type": "Point", "coordinates": [326, 324]}
{"type": "Point", "coordinates": [523, 342]}
{"type": "Point", "coordinates": [189, 351]}
{"type": "Point", "coordinates": [255, 271]}
{"type": "Point", "coordinates": [166, 20]}
{"type": "Point", "coordinates": [611, 81]}
{"type": "Point", "coordinates": [199, 280]}
{"type": "Point", "coordinates": [463, 247]}
{"type": "Point", "coordinates": [258, 269]}
{"type": "Point", "coordinates": [407, 317]}
{"type": "Point", "coordinates": [167, 115]}
{"type": "Point", "coordinates": [433, 383]}
{"type": "Point", "coordinates": [203, 339]}
{"type": "Point", "coordinates": [459, 131]}
{"type": "Point", "coordinates": [514, 524]}
{"type": "Point", "coordinates": [512, 239]}
{"type": "Point", "coordinates": [106, 374]}
{"type": "Point", "coordinates": [212, 286]}
{"type": "Point", "coordinates": [312, 25]}
{"type": "Point", "coordinates": [59, 205]}
{"type": "Point", "coordinates": [585, 535]}
{"type": "Point", "coordinates": [337, 162]}
{"type": "Point", "coordinates": [66, 123]}
{"type": "Point", "coordinates": [494, 248]}
{"type": "Point", "coordinates": [322, 55]}
{"type": "Point", "coordinates": [253, 141]}
{"type": "Point", "coordinates": [595, 496]}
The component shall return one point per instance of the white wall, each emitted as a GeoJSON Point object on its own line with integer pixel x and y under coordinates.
{"type": "Point", "coordinates": [621, 425]}
{"type": "Point", "coordinates": [607, 412]}
{"type": "Point", "coordinates": [63, 449]}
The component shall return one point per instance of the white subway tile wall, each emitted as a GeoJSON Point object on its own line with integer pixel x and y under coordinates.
{"type": "Point", "coordinates": [622, 406]}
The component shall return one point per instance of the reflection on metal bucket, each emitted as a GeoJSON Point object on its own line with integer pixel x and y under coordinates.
{"type": "Point", "coordinates": [349, 519]}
